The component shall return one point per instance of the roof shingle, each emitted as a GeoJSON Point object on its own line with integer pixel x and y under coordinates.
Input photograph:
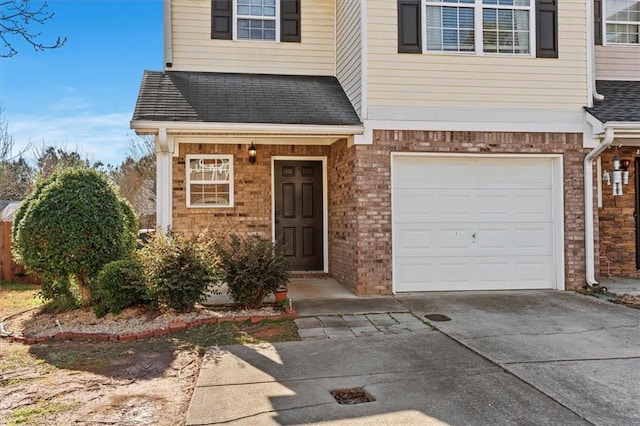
{"type": "Point", "coordinates": [243, 98]}
{"type": "Point", "coordinates": [621, 101]}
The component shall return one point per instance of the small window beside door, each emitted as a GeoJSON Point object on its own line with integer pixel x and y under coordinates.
{"type": "Point", "coordinates": [209, 180]}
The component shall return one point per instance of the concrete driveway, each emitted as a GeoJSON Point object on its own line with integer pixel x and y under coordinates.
{"type": "Point", "coordinates": [581, 351]}
{"type": "Point", "coordinates": [539, 358]}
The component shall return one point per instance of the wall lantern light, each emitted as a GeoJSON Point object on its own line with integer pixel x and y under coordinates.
{"type": "Point", "coordinates": [619, 175]}
{"type": "Point", "coordinates": [252, 153]}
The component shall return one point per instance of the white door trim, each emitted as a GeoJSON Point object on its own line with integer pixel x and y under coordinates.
{"type": "Point", "coordinates": [325, 201]}
{"type": "Point", "coordinates": [557, 197]}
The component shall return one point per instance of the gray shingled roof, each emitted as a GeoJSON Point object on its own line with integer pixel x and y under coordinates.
{"type": "Point", "coordinates": [243, 98]}
{"type": "Point", "coordinates": [621, 101]}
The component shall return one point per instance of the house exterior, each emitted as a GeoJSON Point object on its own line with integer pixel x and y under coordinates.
{"type": "Point", "coordinates": [411, 145]}
{"type": "Point", "coordinates": [614, 120]}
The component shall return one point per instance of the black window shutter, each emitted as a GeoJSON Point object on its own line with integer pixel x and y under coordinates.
{"type": "Point", "coordinates": [409, 27]}
{"type": "Point", "coordinates": [597, 22]}
{"type": "Point", "coordinates": [222, 19]}
{"type": "Point", "coordinates": [290, 17]}
{"type": "Point", "coordinates": [547, 28]}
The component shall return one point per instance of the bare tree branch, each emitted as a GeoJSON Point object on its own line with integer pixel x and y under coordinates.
{"type": "Point", "coordinates": [17, 19]}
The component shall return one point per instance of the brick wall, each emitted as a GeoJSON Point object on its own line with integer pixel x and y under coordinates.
{"type": "Point", "coordinates": [373, 192]}
{"type": "Point", "coordinates": [342, 214]}
{"type": "Point", "coordinates": [251, 212]}
{"type": "Point", "coordinates": [359, 195]}
{"type": "Point", "coordinates": [616, 222]}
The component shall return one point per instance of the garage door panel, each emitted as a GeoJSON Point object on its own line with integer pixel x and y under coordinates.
{"type": "Point", "coordinates": [446, 239]}
{"type": "Point", "coordinates": [472, 223]}
{"type": "Point", "coordinates": [469, 273]}
{"type": "Point", "coordinates": [412, 239]}
{"type": "Point", "coordinates": [457, 205]}
{"type": "Point", "coordinates": [435, 172]}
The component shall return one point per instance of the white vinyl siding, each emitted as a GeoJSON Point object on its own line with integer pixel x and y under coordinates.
{"type": "Point", "coordinates": [349, 50]}
{"type": "Point", "coordinates": [476, 81]}
{"type": "Point", "coordinates": [194, 50]}
{"type": "Point", "coordinates": [617, 62]}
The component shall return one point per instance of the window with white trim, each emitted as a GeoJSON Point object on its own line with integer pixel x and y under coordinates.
{"type": "Point", "coordinates": [209, 180]}
{"type": "Point", "coordinates": [256, 19]}
{"type": "Point", "coordinates": [478, 26]}
{"type": "Point", "coordinates": [622, 21]}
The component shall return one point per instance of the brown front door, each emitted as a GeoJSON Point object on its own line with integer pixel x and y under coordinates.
{"type": "Point", "coordinates": [298, 212]}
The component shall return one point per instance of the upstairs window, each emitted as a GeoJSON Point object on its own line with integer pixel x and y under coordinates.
{"type": "Point", "coordinates": [478, 26]}
{"type": "Point", "coordinates": [267, 20]}
{"type": "Point", "coordinates": [256, 19]}
{"type": "Point", "coordinates": [209, 180]}
{"type": "Point", "coordinates": [502, 27]}
{"type": "Point", "coordinates": [622, 22]}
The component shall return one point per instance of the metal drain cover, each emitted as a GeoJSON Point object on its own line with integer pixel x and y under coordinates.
{"type": "Point", "coordinates": [352, 396]}
{"type": "Point", "coordinates": [437, 317]}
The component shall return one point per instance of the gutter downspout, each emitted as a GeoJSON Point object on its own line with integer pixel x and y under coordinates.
{"type": "Point", "coordinates": [592, 92]}
{"type": "Point", "coordinates": [589, 245]}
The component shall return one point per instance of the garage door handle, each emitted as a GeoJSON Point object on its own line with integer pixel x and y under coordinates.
{"type": "Point", "coordinates": [474, 236]}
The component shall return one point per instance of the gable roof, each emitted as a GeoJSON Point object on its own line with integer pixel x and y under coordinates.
{"type": "Point", "coordinates": [243, 98]}
{"type": "Point", "coordinates": [621, 101]}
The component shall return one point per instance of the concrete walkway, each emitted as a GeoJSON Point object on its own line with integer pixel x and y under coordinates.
{"type": "Point", "coordinates": [359, 325]}
{"type": "Point", "coordinates": [529, 357]}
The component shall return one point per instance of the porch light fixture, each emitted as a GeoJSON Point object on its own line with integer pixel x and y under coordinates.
{"type": "Point", "coordinates": [619, 175]}
{"type": "Point", "coordinates": [252, 153]}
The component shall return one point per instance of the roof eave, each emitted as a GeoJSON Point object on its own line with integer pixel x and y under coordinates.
{"type": "Point", "coordinates": [621, 129]}
{"type": "Point", "coordinates": [152, 127]}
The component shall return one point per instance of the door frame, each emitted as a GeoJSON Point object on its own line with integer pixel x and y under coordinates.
{"type": "Point", "coordinates": [325, 201]}
{"type": "Point", "coordinates": [557, 195]}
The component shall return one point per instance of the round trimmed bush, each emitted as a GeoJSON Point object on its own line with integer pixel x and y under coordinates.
{"type": "Point", "coordinates": [70, 226]}
{"type": "Point", "coordinates": [119, 285]}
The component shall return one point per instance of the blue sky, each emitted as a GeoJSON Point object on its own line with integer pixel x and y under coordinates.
{"type": "Point", "coordinates": [81, 96]}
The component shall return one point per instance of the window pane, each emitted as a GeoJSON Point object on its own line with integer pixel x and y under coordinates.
{"type": "Point", "coordinates": [622, 10]}
{"type": "Point", "coordinates": [434, 39]}
{"type": "Point", "coordinates": [522, 42]}
{"type": "Point", "coordinates": [257, 8]}
{"type": "Point", "coordinates": [505, 30]}
{"type": "Point", "coordinates": [209, 194]}
{"type": "Point", "coordinates": [623, 33]}
{"type": "Point", "coordinates": [450, 29]}
{"type": "Point", "coordinates": [521, 20]}
{"type": "Point", "coordinates": [209, 169]}
{"type": "Point", "coordinates": [256, 29]}
{"type": "Point", "coordinates": [505, 20]}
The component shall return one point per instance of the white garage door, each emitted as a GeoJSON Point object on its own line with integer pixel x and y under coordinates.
{"type": "Point", "coordinates": [472, 223]}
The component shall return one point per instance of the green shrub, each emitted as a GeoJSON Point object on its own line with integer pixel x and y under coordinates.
{"type": "Point", "coordinates": [69, 227]}
{"type": "Point", "coordinates": [119, 285]}
{"type": "Point", "coordinates": [179, 270]}
{"type": "Point", "coordinates": [252, 267]}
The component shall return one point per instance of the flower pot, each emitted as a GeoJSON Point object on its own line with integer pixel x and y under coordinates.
{"type": "Point", "coordinates": [280, 295]}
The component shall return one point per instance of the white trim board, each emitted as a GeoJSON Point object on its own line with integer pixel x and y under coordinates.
{"type": "Point", "coordinates": [325, 202]}
{"type": "Point", "coordinates": [474, 119]}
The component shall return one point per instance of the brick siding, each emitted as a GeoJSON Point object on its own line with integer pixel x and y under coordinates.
{"type": "Point", "coordinates": [616, 222]}
{"type": "Point", "coordinates": [373, 192]}
{"type": "Point", "coordinates": [359, 195]}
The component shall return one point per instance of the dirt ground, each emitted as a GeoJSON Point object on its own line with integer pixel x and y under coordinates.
{"type": "Point", "coordinates": [63, 383]}
{"type": "Point", "coordinates": [146, 382]}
